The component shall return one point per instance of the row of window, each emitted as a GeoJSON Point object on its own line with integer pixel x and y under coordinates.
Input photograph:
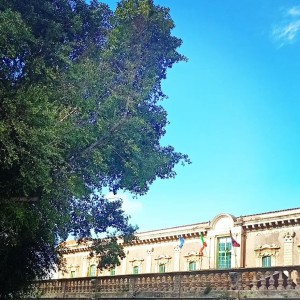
{"type": "Point", "coordinates": [223, 259]}
{"type": "Point", "coordinates": [162, 268]}
{"type": "Point", "coordinates": [93, 272]}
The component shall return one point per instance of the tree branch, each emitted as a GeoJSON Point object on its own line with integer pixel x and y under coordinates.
{"type": "Point", "coordinates": [100, 141]}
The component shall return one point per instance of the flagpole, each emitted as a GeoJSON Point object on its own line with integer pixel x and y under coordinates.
{"type": "Point", "coordinates": [234, 244]}
{"type": "Point", "coordinates": [209, 253]}
{"type": "Point", "coordinates": [201, 262]}
{"type": "Point", "coordinates": [235, 257]}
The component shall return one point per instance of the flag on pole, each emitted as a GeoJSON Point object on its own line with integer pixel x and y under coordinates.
{"type": "Point", "coordinates": [204, 244]}
{"type": "Point", "coordinates": [234, 243]}
{"type": "Point", "coordinates": [181, 242]}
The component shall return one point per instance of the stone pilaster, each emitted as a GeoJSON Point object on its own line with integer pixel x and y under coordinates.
{"type": "Point", "coordinates": [177, 259]}
{"type": "Point", "coordinates": [149, 260]}
{"type": "Point", "coordinates": [124, 264]}
{"type": "Point", "coordinates": [84, 271]}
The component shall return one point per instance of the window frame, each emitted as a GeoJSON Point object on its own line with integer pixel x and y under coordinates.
{"type": "Point", "coordinates": [135, 270]}
{"type": "Point", "coordinates": [162, 268]}
{"type": "Point", "coordinates": [93, 270]}
{"type": "Point", "coordinates": [192, 266]}
{"type": "Point", "coordinates": [266, 261]}
{"type": "Point", "coordinates": [224, 253]}
{"type": "Point", "coordinates": [112, 271]}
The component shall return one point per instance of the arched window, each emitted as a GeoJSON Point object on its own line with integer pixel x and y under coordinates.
{"type": "Point", "coordinates": [192, 266]}
{"type": "Point", "coordinates": [93, 269]}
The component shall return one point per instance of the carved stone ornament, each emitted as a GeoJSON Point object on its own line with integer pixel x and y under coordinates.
{"type": "Point", "coordinates": [162, 259]}
{"type": "Point", "coordinates": [288, 236]}
{"type": "Point", "coordinates": [266, 247]}
{"type": "Point", "coordinates": [234, 278]}
{"type": "Point", "coordinates": [177, 248]}
{"type": "Point", "coordinates": [73, 267]}
{"type": "Point", "coordinates": [136, 259]}
{"type": "Point", "coordinates": [266, 250]}
{"type": "Point", "coordinates": [192, 256]}
{"type": "Point", "coordinates": [150, 251]}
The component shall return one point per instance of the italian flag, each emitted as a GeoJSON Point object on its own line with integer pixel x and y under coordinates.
{"type": "Point", "coordinates": [204, 244]}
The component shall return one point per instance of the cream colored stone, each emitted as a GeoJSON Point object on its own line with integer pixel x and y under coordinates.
{"type": "Point", "coordinates": [275, 234]}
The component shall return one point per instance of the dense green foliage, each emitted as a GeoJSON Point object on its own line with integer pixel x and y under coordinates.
{"type": "Point", "coordinates": [79, 113]}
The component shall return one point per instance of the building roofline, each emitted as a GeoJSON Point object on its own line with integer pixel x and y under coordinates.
{"type": "Point", "coordinates": [173, 227]}
{"type": "Point", "coordinates": [270, 212]}
{"type": "Point", "coordinates": [196, 229]}
{"type": "Point", "coordinates": [180, 227]}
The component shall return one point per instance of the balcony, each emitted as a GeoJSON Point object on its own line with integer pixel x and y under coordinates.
{"type": "Point", "coordinates": [272, 283]}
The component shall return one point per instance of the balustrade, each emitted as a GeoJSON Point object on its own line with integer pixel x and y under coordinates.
{"type": "Point", "coordinates": [178, 283]}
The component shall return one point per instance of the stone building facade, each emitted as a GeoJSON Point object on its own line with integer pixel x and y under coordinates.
{"type": "Point", "coordinates": [262, 240]}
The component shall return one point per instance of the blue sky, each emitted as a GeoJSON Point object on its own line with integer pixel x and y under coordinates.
{"type": "Point", "coordinates": [234, 109]}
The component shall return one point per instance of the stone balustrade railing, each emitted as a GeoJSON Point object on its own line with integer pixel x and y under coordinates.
{"type": "Point", "coordinates": [234, 283]}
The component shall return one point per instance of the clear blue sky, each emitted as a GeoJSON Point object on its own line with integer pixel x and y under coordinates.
{"type": "Point", "coordinates": [234, 109]}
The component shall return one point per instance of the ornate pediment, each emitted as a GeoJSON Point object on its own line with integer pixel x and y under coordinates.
{"type": "Point", "coordinates": [192, 256]}
{"type": "Point", "coordinates": [136, 259]}
{"type": "Point", "coordinates": [73, 267]}
{"type": "Point", "coordinates": [267, 250]}
{"type": "Point", "coordinates": [162, 259]}
{"type": "Point", "coordinates": [266, 247]}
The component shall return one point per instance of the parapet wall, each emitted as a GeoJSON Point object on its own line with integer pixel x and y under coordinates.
{"type": "Point", "coordinates": [255, 283]}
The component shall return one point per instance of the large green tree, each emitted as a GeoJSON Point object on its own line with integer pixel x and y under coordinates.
{"type": "Point", "coordinates": [79, 114]}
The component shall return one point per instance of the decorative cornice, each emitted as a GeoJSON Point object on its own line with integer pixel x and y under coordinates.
{"type": "Point", "coordinates": [75, 250]}
{"type": "Point", "coordinates": [167, 238]}
{"type": "Point", "coordinates": [267, 224]}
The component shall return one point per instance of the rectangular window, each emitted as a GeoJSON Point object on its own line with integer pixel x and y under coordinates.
{"type": "Point", "coordinates": [192, 266]}
{"type": "Point", "coordinates": [162, 268]}
{"type": "Point", "coordinates": [266, 261]}
{"type": "Point", "coordinates": [135, 270]}
{"type": "Point", "coordinates": [112, 272]}
{"type": "Point", "coordinates": [72, 275]}
{"type": "Point", "coordinates": [93, 270]}
{"type": "Point", "coordinates": [224, 253]}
